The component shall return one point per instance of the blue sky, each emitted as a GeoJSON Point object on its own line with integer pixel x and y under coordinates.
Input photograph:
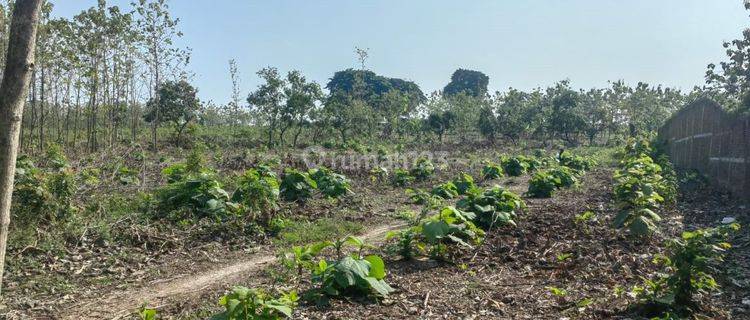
{"type": "Point", "coordinates": [521, 44]}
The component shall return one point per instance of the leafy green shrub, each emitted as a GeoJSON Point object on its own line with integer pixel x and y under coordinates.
{"type": "Point", "coordinates": [464, 182]}
{"type": "Point", "coordinates": [449, 227]}
{"type": "Point", "coordinates": [329, 183]}
{"type": "Point", "coordinates": [422, 169]}
{"type": "Point", "coordinates": [446, 190]}
{"type": "Point", "coordinates": [513, 166]}
{"type": "Point", "coordinates": [297, 185]}
{"type": "Point", "coordinates": [175, 172]}
{"type": "Point", "coordinates": [492, 171]}
{"type": "Point", "coordinates": [346, 274]}
{"type": "Point", "coordinates": [352, 275]}
{"type": "Point", "coordinates": [62, 186]}
{"type": "Point", "coordinates": [127, 176]}
{"type": "Point", "coordinates": [407, 241]}
{"type": "Point", "coordinates": [251, 304]}
{"type": "Point", "coordinates": [202, 196]}
{"type": "Point", "coordinates": [543, 185]}
{"type": "Point", "coordinates": [565, 175]}
{"type": "Point", "coordinates": [418, 196]}
{"type": "Point", "coordinates": [575, 162]}
{"type": "Point", "coordinates": [32, 201]}
{"type": "Point", "coordinates": [687, 269]}
{"type": "Point", "coordinates": [532, 164]}
{"type": "Point", "coordinates": [90, 176]}
{"type": "Point", "coordinates": [258, 191]}
{"type": "Point", "coordinates": [55, 157]}
{"type": "Point", "coordinates": [40, 196]}
{"type": "Point", "coordinates": [402, 177]}
{"type": "Point", "coordinates": [668, 188]}
{"type": "Point", "coordinates": [492, 207]}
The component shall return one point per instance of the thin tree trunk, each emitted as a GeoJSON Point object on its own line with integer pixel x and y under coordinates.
{"type": "Point", "coordinates": [13, 92]}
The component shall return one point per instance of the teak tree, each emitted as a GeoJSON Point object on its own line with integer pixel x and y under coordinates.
{"type": "Point", "coordinates": [13, 92]}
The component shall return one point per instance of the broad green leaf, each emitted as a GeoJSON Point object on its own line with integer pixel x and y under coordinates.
{"type": "Point", "coordinates": [377, 267]}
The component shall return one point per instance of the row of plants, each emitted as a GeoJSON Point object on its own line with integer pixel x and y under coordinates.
{"type": "Point", "coordinates": [564, 172]}
{"type": "Point", "coordinates": [644, 183]}
{"type": "Point", "coordinates": [422, 169]}
{"type": "Point", "coordinates": [199, 193]}
{"type": "Point", "coordinates": [640, 189]}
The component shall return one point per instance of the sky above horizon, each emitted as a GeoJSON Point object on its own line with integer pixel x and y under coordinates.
{"type": "Point", "coordinates": [520, 44]}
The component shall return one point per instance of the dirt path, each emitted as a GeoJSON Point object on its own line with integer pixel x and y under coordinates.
{"type": "Point", "coordinates": [119, 305]}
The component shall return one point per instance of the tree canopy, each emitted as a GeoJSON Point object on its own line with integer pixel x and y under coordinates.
{"type": "Point", "coordinates": [470, 82]}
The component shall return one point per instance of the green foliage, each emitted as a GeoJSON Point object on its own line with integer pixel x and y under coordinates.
{"type": "Point", "coordinates": [636, 191]}
{"type": "Point", "coordinates": [419, 196]}
{"type": "Point", "coordinates": [202, 196]}
{"type": "Point", "coordinates": [147, 313]}
{"type": "Point", "coordinates": [329, 183]}
{"type": "Point", "coordinates": [584, 217]}
{"type": "Point", "coordinates": [440, 123]}
{"type": "Point", "coordinates": [407, 240]}
{"type": "Point", "coordinates": [402, 178]}
{"type": "Point", "coordinates": [175, 172]}
{"type": "Point", "coordinates": [372, 87]}
{"type": "Point", "coordinates": [352, 275]}
{"type": "Point", "coordinates": [565, 176]}
{"type": "Point", "coordinates": [176, 103]}
{"type": "Point", "coordinates": [575, 162]}
{"type": "Point", "coordinates": [493, 207]}
{"type": "Point", "coordinates": [378, 174]}
{"type": "Point", "coordinates": [492, 171]}
{"type": "Point", "coordinates": [258, 191]}
{"type": "Point", "coordinates": [422, 169]}
{"type": "Point", "coordinates": [297, 185]}
{"type": "Point", "coordinates": [543, 185]}
{"type": "Point", "coordinates": [514, 166]}
{"type": "Point", "coordinates": [464, 182]}
{"type": "Point", "coordinates": [446, 190]}
{"type": "Point", "coordinates": [255, 304]}
{"type": "Point", "coordinates": [469, 82]}
{"type": "Point", "coordinates": [42, 196]}
{"type": "Point", "coordinates": [532, 164]}
{"type": "Point", "coordinates": [687, 269]}
{"type": "Point", "coordinates": [127, 176]}
{"type": "Point", "coordinates": [448, 228]}
{"type": "Point", "coordinates": [90, 176]}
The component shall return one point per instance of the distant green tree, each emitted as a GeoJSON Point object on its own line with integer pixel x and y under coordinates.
{"type": "Point", "coordinates": [566, 120]}
{"type": "Point", "coordinates": [597, 114]}
{"type": "Point", "coordinates": [513, 115]}
{"type": "Point", "coordinates": [488, 124]}
{"type": "Point", "coordinates": [731, 82]}
{"type": "Point", "coordinates": [267, 102]}
{"type": "Point", "coordinates": [176, 102]}
{"type": "Point", "coordinates": [372, 88]}
{"type": "Point", "coordinates": [466, 110]}
{"type": "Point", "coordinates": [440, 123]}
{"type": "Point", "coordinates": [301, 98]}
{"type": "Point", "coordinates": [469, 82]}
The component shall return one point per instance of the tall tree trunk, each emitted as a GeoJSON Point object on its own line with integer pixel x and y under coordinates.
{"type": "Point", "coordinates": [42, 111]}
{"type": "Point", "coordinates": [13, 92]}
